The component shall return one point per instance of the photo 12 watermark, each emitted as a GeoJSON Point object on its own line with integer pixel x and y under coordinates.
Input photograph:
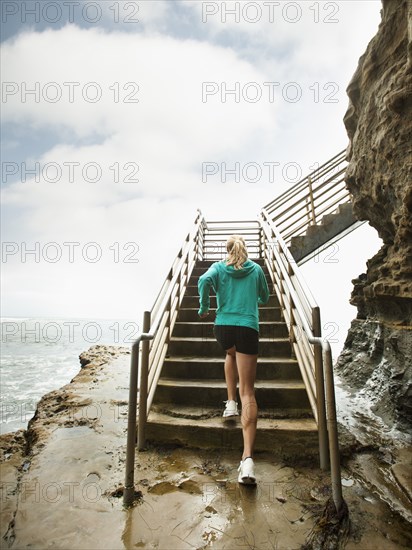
{"type": "Point", "coordinates": [75, 415]}
{"type": "Point", "coordinates": [69, 92]}
{"type": "Point", "coordinates": [22, 411]}
{"type": "Point", "coordinates": [52, 332]}
{"type": "Point", "coordinates": [330, 330]}
{"type": "Point", "coordinates": [251, 172]}
{"type": "Point", "coordinates": [70, 172]}
{"type": "Point", "coordinates": [52, 492]}
{"type": "Point", "coordinates": [69, 251]}
{"type": "Point", "coordinates": [264, 491]}
{"type": "Point", "coordinates": [270, 12]}
{"type": "Point", "coordinates": [269, 92]}
{"type": "Point", "coordinates": [90, 13]}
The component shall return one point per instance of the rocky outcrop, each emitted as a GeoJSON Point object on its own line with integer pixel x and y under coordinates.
{"type": "Point", "coordinates": [377, 360]}
{"type": "Point", "coordinates": [64, 407]}
{"type": "Point", "coordinates": [73, 445]}
{"type": "Point", "coordinates": [378, 351]}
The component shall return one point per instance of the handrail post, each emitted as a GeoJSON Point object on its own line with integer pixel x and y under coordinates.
{"type": "Point", "coordinates": [333, 430]}
{"type": "Point", "coordinates": [320, 393]}
{"type": "Point", "coordinates": [312, 203]}
{"type": "Point", "coordinates": [307, 209]}
{"type": "Point", "coordinates": [128, 493]}
{"type": "Point", "coordinates": [260, 247]}
{"type": "Point", "coordinates": [169, 320]}
{"type": "Point", "coordinates": [144, 374]}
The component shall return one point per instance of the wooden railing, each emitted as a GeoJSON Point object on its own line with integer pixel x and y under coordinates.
{"type": "Point", "coordinates": [217, 233]}
{"type": "Point", "coordinates": [302, 315]}
{"type": "Point", "coordinates": [157, 329]}
{"type": "Point", "coordinates": [305, 204]}
{"type": "Point", "coordinates": [298, 307]}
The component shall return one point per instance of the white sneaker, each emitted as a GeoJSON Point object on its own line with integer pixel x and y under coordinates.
{"type": "Point", "coordinates": [230, 409]}
{"type": "Point", "coordinates": [247, 472]}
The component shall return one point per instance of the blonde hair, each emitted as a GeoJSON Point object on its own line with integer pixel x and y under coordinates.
{"type": "Point", "coordinates": [237, 251]}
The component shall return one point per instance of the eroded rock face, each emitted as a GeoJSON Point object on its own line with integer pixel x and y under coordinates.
{"type": "Point", "coordinates": [379, 126]}
{"type": "Point", "coordinates": [377, 360]}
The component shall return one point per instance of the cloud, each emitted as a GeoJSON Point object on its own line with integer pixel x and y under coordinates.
{"type": "Point", "coordinates": [160, 141]}
{"type": "Point", "coordinates": [321, 34]}
{"type": "Point", "coordinates": [147, 156]}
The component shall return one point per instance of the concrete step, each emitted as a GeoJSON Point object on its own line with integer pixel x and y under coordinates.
{"type": "Point", "coordinates": [196, 412]}
{"type": "Point", "coordinates": [193, 281]}
{"type": "Point", "coordinates": [270, 394]}
{"type": "Point", "coordinates": [345, 208]}
{"type": "Point", "coordinates": [265, 314]}
{"type": "Point", "coordinates": [328, 218]}
{"type": "Point", "coordinates": [192, 290]}
{"type": "Point", "coordinates": [332, 227]}
{"type": "Point", "coordinates": [312, 230]}
{"type": "Point", "coordinates": [284, 437]}
{"type": "Point", "coordinates": [209, 347]}
{"type": "Point", "coordinates": [205, 264]}
{"type": "Point", "coordinates": [205, 368]}
{"type": "Point", "coordinates": [204, 329]}
{"type": "Point", "coordinates": [193, 301]}
{"type": "Point", "coordinates": [197, 271]}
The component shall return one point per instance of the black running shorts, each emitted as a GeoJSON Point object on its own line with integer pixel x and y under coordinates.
{"type": "Point", "coordinates": [245, 339]}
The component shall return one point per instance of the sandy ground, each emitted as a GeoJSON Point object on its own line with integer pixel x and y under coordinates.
{"type": "Point", "coordinates": [62, 484]}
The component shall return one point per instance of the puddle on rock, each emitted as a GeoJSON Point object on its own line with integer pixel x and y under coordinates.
{"type": "Point", "coordinates": [190, 507]}
{"type": "Point", "coordinates": [191, 487]}
{"type": "Point", "coordinates": [72, 432]}
{"type": "Point", "coordinates": [162, 488]}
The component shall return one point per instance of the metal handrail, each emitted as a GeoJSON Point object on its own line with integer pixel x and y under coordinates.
{"type": "Point", "coordinates": [302, 314]}
{"type": "Point", "coordinates": [299, 310]}
{"type": "Point", "coordinates": [165, 309]}
{"type": "Point", "coordinates": [218, 232]}
{"type": "Point", "coordinates": [316, 174]}
{"type": "Point", "coordinates": [314, 196]}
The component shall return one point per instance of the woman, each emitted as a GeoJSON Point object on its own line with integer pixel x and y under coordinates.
{"type": "Point", "coordinates": [240, 285]}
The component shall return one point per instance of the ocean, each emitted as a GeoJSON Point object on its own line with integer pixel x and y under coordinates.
{"type": "Point", "coordinates": [40, 355]}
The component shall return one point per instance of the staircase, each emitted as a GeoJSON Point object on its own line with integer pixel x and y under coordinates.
{"type": "Point", "coordinates": [332, 227]}
{"type": "Point", "coordinates": [316, 212]}
{"type": "Point", "coordinates": [188, 403]}
{"type": "Point", "coordinates": [179, 364]}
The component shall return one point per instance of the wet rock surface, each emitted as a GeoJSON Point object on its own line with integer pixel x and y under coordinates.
{"type": "Point", "coordinates": [378, 351]}
{"type": "Point", "coordinates": [377, 361]}
{"type": "Point", "coordinates": [62, 484]}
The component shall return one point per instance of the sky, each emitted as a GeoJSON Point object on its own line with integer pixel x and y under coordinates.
{"type": "Point", "coordinates": [115, 112]}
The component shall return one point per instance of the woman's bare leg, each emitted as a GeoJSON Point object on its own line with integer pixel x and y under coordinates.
{"type": "Point", "coordinates": [246, 365]}
{"type": "Point", "coordinates": [231, 375]}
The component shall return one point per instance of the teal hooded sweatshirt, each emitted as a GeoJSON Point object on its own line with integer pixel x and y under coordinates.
{"type": "Point", "coordinates": [238, 293]}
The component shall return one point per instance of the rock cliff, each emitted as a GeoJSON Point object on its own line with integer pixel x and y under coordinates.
{"type": "Point", "coordinates": [378, 351]}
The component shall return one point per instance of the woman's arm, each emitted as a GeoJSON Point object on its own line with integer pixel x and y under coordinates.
{"type": "Point", "coordinates": [206, 281]}
{"type": "Point", "coordinates": [263, 288]}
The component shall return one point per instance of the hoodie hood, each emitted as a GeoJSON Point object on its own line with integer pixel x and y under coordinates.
{"type": "Point", "coordinates": [247, 269]}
